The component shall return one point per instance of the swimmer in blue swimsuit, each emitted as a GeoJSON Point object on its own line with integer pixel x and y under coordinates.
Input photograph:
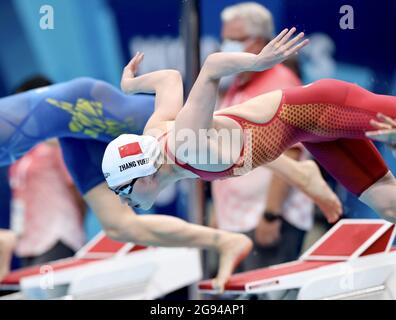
{"type": "Point", "coordinates": [83, 108]}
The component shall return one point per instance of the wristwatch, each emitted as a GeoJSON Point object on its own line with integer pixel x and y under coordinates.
{"type": "Point", "coordinates": [270, 216]}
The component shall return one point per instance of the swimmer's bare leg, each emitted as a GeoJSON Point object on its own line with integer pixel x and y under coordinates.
{"type": "Point", "coordinates": [381, 197]}
{"type": "Point", "coordinates": [306, 176]}
{"type": "Point", "coordinates": [7, 244]}
{"type": "Point", "coordinates": [122, 224]}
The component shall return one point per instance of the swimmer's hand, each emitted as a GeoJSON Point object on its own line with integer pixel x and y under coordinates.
{"type": "Point", "coordinates": [386, 129]}
{"type": "Point", "coordinates": [385, 133]}
{"type": "Point", "coordinates": [279, 49]}
{"type": "Point", "coordinates": [129, 72]}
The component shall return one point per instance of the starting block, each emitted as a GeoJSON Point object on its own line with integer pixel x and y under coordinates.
{"type": "Point", "coordinates": [353, 260]}
{"type": "Point", "coordinates": [107, 269]}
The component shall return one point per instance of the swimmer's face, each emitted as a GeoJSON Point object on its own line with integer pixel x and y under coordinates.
{"type": "Point", "coordinates": [143, 194]}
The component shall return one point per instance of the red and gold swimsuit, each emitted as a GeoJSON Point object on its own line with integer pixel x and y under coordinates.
{"type": "Point", "coordinates": [330, 118]}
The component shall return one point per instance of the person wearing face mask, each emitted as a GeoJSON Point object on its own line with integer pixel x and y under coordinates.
{"type": "Point", "coordinates": [259, 204]}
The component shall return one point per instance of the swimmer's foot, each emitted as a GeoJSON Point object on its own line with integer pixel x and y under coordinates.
{"type": "Point", "coordinates": [7, 245]}
{"type": "Point", "coordinates": [233, 248]}
{"type": "Point", "coordinates": [318, 190]}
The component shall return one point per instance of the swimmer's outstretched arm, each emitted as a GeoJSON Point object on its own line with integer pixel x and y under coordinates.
{"type": "Point", "coordinates": [166, 84]}
{"type": "Point", "coordinates": [198, 110]}
{"type": "Point", "coordinates": [122, 224]}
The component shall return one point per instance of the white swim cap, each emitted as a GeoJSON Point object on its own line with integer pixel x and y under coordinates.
{"type": "Point", "coordinates": [129, 156]}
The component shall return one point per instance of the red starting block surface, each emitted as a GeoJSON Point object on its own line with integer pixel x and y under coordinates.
{"type": "Point", "coordinates": [99, 248]}
{"type": "Point", "coordinates": [102, 247]}
{"type": "Point", "coordinates": [14, 277]}
{"type": "Point", "coordinates": [244, 280]}
{"type": "Point", "coordinates": [350, 239]}
{"type": "Point", "coordinates": [347, 241]}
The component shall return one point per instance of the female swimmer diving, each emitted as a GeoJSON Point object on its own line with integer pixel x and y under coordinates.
{"type": "Point", "coordinates": [329, 117]}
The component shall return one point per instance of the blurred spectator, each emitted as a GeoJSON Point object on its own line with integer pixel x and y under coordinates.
{"type": "Point", "coordinates": [46, 209]}
{"type": "Point", "coordinates": [259, 204]}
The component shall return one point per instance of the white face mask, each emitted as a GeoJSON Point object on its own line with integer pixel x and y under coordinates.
{"type": "Point", "coordinates": [232, 46]}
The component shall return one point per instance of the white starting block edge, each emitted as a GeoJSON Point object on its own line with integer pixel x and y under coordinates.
{"type": "Point", "coordinates": [329, 280]}
{"type": "Point", "coordinates": [351, 274]}
{"type": "Point", "coordinates": [111, 270]}
{"type": "Point", "coordinates": [145, 274]}
{"type": "Point", "coordinates": [349, 277]}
